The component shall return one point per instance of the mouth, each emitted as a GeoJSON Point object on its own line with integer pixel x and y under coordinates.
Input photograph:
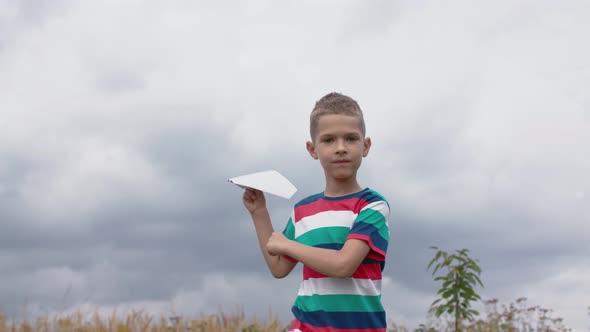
{"type": "Point", "coordinates": [341, 161]}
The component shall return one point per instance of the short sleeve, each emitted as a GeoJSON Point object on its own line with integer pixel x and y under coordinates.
{"type": "Point", "coordinates": [289, 233]}
{"type": "Point", "coordinates": [371, 226]}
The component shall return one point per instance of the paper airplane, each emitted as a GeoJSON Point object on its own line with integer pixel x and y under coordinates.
{"type": "Point", "coordinates": [271, 182]}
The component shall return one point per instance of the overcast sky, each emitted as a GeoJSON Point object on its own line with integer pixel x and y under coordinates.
{"type": "Point", "coordinates": [121, 121]}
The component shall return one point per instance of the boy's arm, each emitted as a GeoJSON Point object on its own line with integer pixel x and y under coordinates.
{"type": "Point", "coordinates": [333, 263]}
{"type": "Point", "coordinates": [255, 203]}
{"type": "Point", "coordinates": [369, 235]}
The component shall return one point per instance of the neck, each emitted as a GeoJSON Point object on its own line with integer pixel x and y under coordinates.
{"type": "Point", "coordinates": [337, 188]}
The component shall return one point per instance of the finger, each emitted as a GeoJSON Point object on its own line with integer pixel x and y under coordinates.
{"type": "Point", "coordinates": [255, 192]}
{"type": "Point", "coordinates": [249, 195]}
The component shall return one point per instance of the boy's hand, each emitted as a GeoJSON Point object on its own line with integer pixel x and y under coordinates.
{"type": "Point", "coordinates": [254, 200]}
{"type": "Point", "coordinates": [277, 244]}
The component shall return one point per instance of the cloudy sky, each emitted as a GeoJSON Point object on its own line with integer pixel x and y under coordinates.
{"type": "Point", "coordinates": [120, 122]}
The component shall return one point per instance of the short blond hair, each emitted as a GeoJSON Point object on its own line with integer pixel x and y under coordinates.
{"type": "Point", "coordinates": [335, 103]}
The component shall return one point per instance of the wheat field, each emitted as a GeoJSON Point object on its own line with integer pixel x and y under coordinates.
{"type": "Point", "coordinates": [514, 317]}
{"type": "Point", "coordinates": [136, 321]}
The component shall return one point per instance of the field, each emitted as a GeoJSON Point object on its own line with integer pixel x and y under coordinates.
{"type": "Point", "coordinates": [139, 321]}
{"type": "Point", "coordinates": [516, 316]}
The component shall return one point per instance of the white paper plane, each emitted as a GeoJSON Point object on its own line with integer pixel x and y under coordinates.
{"type": "Point", "coordinates": [270, 181]}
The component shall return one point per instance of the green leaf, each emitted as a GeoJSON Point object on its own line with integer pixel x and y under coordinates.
{"type": "Point", "coordinates": [436, 269]}
{"type": "Point", "coordinates": [468, 297]}
{"type": "Point", "coordinates": [473, 278]}
{"type": "Point", "coordinates": [447, 283]}
{"type": "Point", "coordinates": [476, 268]}
{"type": "Point", "coordinates": [434, 259]}
{"type": "Point", "coordinates": [465, 289]}
{"type": "Point", "coordinates": [447, 294]}
{"type": "Point", "coordinates": [464, 285]}
{"type": "Point", "coordinates": [478, 280]}
{"type": "Point", "coordinates": [457, 289]}
{"type": "Point", "coordinates": [462, 259]}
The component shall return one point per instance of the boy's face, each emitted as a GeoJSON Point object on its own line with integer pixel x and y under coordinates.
{"type": "Point", "coordinates": [339, 145]}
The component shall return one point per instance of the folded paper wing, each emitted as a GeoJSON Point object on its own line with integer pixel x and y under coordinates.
{"type": "Point", "coordinates": [271, 182]}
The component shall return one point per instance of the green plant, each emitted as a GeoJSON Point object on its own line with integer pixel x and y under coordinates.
{"type": "Point", "coordinates": [424, 328]}
{"type": "Point", "coordinates": [517, 316]}
{"type": "Point", "coordinates": [457, 290]}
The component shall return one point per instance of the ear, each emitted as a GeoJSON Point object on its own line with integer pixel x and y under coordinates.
{"type": "Point", "coordinates": [366, 146]}
{"type": "Point", "coordinates": [311, 149]}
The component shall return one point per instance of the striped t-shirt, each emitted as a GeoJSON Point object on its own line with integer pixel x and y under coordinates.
{"type": "Point", "coordinates": [331, 304]}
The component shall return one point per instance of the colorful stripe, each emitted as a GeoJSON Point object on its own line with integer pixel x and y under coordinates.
{"type": "Point", "coordinates": [329, 304]}
{"type": "Point", "coordinates": [380, 206]}
{"type": "Point", "coordinates": [375, 218]}
{"type": "Point", "coordinates": [364, 271]}
{"type": "Point", "coordinates": [369, 233]}
{"type": "Point", "coordinates": [298, 326]}
{"type": "Point", "coordinates": [325, 219]}
{"type": "Point", "coordinates": [380, 253]}
{"type": "Point", "coordinates": [342, 320]}
{"type": "Point", "coordinates": [339, 303]}
{"type": "Point", "coordinates": [339, 286]}
{"type": "Point", "coordinates": [289, 231]}
{"type": "Point", "coordinates": [322, 205]}
{"type": "Point", "coordinates": [367, 194]}
{"type": "Point", "coordinates": [309, 199]}
{"type": "Point", "coordinates": [325, 235]}
{"type": "Point", "coordinates": [289, 258]}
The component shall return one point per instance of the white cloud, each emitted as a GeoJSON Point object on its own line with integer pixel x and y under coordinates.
{"type": "Point", "coordinates": [563, 294]}
{"type": "Point", "coordinates": [53, 282]}
{"type": "Point", "coordinates": [259, 297]}
{"type": "Point", "coordinates": [85, 179]}
{"type": "Point", "coordinates": [405, 306]}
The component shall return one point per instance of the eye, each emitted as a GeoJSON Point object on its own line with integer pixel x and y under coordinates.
{"type": "Point", "coordinates": [352, 138]}
{"type": "Point", "coordinates": [327, 140]}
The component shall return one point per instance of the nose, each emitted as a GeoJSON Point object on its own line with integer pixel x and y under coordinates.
{"type": "Point", "coordinates": [340, 147]}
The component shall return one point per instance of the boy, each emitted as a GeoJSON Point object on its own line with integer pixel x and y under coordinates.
{"type": "Point", "coordinates": [340, 235]}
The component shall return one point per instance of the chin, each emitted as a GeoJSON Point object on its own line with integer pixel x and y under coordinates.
{"type": "Point", "coordinates": [343, 176]}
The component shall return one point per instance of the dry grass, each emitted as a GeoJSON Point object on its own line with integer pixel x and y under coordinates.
{"type": "Point", "coordinates": [517, 316]}
{"type": "Point", "coordinates": [137, 321]}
